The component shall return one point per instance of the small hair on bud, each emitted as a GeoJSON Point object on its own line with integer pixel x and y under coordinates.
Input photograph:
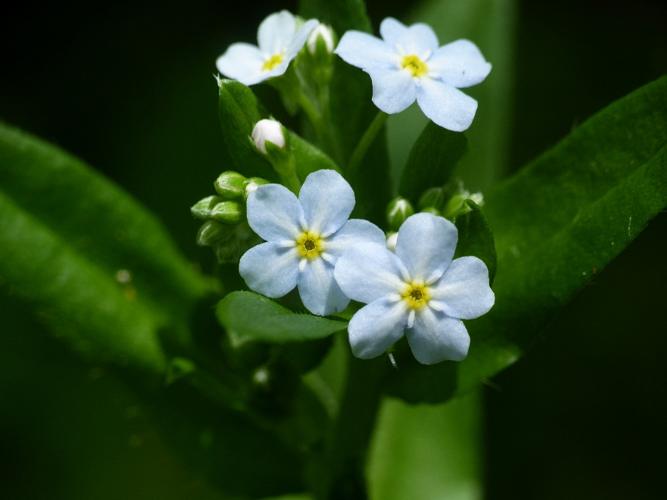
{"type": "Point", "coordinates": [268, 131]}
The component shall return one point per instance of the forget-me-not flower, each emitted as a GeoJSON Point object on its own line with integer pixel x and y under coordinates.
{"type": "Point", "coordinates": [304, 238]}
{"type": "Point", "coordinates": [418, 290]}
{"type": "Point", "coordinates": [280, 38]}
{"type": "Point", "coordinates": [408, 64]}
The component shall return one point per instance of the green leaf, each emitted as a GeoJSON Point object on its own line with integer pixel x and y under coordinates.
{"type": "Point", "coordinates": [307, 157]}
{"type": "Point", "coordinates": [432, 160]}
{"type": "Point", "coordinates": [93, 265]}
{"type": "Point", "coordinates": [239, 111]}
{"type": "Point", "coordinates": [557, 223]}
{"type": "Point", "coordinates": [251, 317]}
{"type": "Point", "coordinates": [343, 15]}
{"type": "Point", "coordinates": [476, 238]}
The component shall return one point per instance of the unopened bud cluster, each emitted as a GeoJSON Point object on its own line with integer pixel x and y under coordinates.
{"type": "Point", "coordinates": [223, 213]}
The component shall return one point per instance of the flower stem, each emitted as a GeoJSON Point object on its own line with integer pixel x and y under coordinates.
{"type": "Point", "coordinates": [365, 142]}
{"type": "Point", "coordinates": [347, 448]}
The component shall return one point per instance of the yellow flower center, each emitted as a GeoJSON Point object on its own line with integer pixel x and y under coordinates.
{"type": "Point", "coordinates": [310, 245]}
{"type": "Point", "coordinates": [415, 66]}
{"type": "Point", "coordinates": [416, 295]}
{"type": "Point", "coordinates": [273, 61]}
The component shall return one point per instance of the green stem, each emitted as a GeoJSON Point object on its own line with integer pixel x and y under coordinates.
{"type": "Point", "coordinates": [291, 180]}
{"type": "Point", "coordinates": [365, 142]}
{"type": "Point", "coordinates": [348, 445]}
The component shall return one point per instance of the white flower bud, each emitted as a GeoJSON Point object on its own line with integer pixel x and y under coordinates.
{"type": "Point", "coordinates": [326, 33]}
{"type": "Point", "coordinates": [392, 238]}
{"type": "Point", "coordinates": [478, 198]}
{"type": "Point", "coordinates": [268, 131]}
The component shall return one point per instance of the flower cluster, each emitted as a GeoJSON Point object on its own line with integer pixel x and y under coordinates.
{"type": "Point", "coordinates": [418, 289]}
{"type": "Point", "coordinates": [405, 66]}
{"type": "Point", "coordinates": [408, 279]}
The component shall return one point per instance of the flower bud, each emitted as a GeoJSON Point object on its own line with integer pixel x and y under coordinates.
{"type": "Point", "coordinates": [228, 212]}
{"type": "Point", "coordinates": [230, 185]}
{"type": "Point", "coordinates": [321, 36]}
{"type": "Point", "coordinates": [252, 184]}
{"type": "Point", "coordinates": [398, 210]}
{"type": "Point", "coordinates": [202, 209]}
{"type": "Point", "coordinates": [477, 199]}
{"type": "Point", "coordinates": [268, 131]}
{"type": "Point", "coordinates": [210, 233]}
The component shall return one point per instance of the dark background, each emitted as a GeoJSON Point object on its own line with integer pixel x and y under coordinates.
{"type": "Point", "coordinates": [130, 90]}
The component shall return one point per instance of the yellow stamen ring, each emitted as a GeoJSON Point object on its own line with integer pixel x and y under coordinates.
{"type": "Point", "coordinates": [272, 61]}
{"type": "Point", "coordinates": [310, 245]}
{"type": "Point", "coordinates": [414, 65]}
{"type": "Point", "coordinates": [416, 295]}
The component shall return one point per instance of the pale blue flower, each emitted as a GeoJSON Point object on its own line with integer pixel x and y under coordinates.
{"type": "Point", "coordinates": [418, 290]}
{"type": "Point", "coordinates": [407, 65]}
{"type": "Point", "coordinates": [305, 236]}
{"type": "Point", "coordinates": [280, 38]}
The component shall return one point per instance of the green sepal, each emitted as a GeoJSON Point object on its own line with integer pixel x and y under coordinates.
{"type": "Point", "coordinates": [228, 212]}
{"type": "Point", "coordinates": [230, 185]}
{"type": "Point", "coordinates": [202, 209]}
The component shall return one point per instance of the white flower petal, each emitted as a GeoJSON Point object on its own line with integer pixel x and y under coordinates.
{"type": "Point", "coordinates": [300, 38]}
{"type": "Point", "coordinates": [392, 30]}
{"type": "Point", "coordinates": [464, 290]}
{"type": "Point", "coordinates": [318, 289]}
{"type": "Point", "coordinates": [394, 89]}
{"type": "Point", "coordinates": [418, 39]}
{"type": "Point", "coordinates": [445, 105]}
{"type": "Point", "coordinates": [459, 64]}
{"type": "Point", "coordinates": [365, 51]}
{"type": "Point", "coordinates": [376, 327]}
{"type": "Point", "coordinates": [426, 245]}
{"type": "Point", "coordinates": [276, 32]}
{"type": "Point", "coordinates": [436, 337]}
{"type": "Point", "coordinates": [368, 272]}
{"type": "Point", "coordinates": [274, 213]}
{"type": "Point", "coordinates": [242, 62]}
{"type": "Point", "coordinates": [270, 269]}
{"type": "Point", "coordinates": [327, 200]}
{"type": "Point", "coordinates": [355, 232]}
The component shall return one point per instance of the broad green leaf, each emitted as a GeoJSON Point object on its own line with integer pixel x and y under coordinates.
{"type": "Point", "coordinates": [432, 160]}
{"type": "Point", "coordinates": [427, 451]}
{"type": "Point", "coordinates": [239, 110]}
{"type": "Point", "coordinates": [251, 317]}
{"type": "Point", "coordinates": [557, 223]}
{"type": "Point", "coordinates": [93, 264]}
{"type": "Point", "coordinates": [476, 238]}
